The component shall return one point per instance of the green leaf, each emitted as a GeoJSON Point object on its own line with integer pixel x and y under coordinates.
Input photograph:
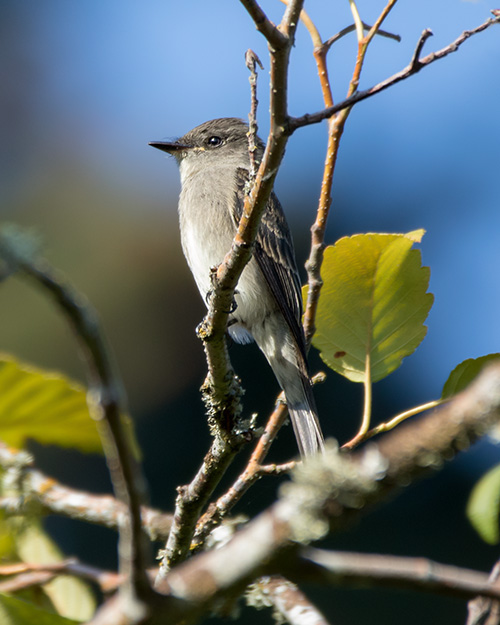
{"type": "Point", "coordinates": [70, 596]}
{"type": "Point", "coordinates": [484, 505]}
{"type": "Point", "coordinates": [373, 304]}
{"type": "Point", "coordinates": [463, 374]}
{"type": "Point", "coordinates": [44, 406]}
{"type": "Point", "coordinates": [17, 612]}
{"type": "Point", "coordinates": [7, 538]}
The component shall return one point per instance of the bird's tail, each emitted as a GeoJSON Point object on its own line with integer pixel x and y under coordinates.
{"type": "Point", "coordinates": [305, 424]}
{"type": "Point", "coordinates": [288, 362]}
{"type": "Point", "coordinates": [296, 385]}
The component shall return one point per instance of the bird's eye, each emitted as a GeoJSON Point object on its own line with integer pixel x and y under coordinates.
{"type": "Point", "coordinates": [214, 141]}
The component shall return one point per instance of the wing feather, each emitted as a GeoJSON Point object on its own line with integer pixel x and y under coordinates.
{"type": "Point", "coordinates": [275, 256]}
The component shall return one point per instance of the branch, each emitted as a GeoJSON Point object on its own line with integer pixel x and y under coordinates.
{"type": "Point", "coordinates": [288, 602]}
{"type": "Point", "coordinates": [375, 28]}
{"type": "Point", "coordinates": [43, 492]}
{"type": "Point", "coordinates": [251, 61]}
{"type": "Point", "coordinates": [335, 131]}
{"type": "Point", "coordinates": [221, 388]}
{"type": "Point", "coordinates": [352, 27]}
{"type": "Point", "coordinates": [347, 487]}
{"type": "Point", "coordinates": [106, 398]}
{"type": "Point", "coordinates": [337, 114]}
{"type": "Point", "coordinates": [415, 66]}
{"type": "Point", "coordinates": [484, 610]}
{"type": "Point", "coordinates": [218, 511]}
{"type": "Point", "coordinates": [191, 500]}
{"type": "Point", "coordinates": [254, 470]}
{"type": "Point", "coordinates": [355, 569]}
{"type": "Point", "coordinates": [264, 25]}
{"type": "Point", "coordinates": [31, 574]}
{"type": "Point", "coordinates": [228, 273]}
{"type": "Point", "coordinates": [415, 61]}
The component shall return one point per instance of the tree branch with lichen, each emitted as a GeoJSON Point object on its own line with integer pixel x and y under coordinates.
{"type": "Point", "coordinates": [46, 495]}
{"type": "Point", "coordinates": [106, 400]}
{"type": "Point", "coordinates": [221, 388]}
{"type": "Point", "coordinates": [309, 508]}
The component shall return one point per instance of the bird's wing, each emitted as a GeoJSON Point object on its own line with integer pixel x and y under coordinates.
{"type": "Point", "coordinates": [275, 257]}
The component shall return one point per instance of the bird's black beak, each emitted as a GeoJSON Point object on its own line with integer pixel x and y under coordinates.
{"type": "Point", "coordinates": [169, 146]}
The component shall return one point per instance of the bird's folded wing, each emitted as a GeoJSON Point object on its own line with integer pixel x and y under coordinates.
{"type": "Point", "coordinates": [275, 256]}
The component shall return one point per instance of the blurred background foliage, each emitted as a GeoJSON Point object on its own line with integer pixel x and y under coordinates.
{"type": "Point", "coordinates": [85, 86]}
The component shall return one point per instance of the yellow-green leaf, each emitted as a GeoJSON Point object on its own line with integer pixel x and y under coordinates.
{"type": "Point", "coordinates": [415, 235]}
{"type": "Point", "coordinates": [70, 596]}
{"type": "Point", "coordinates": [15, 611]}
{"type": "Point", "coordinates": [44, 406]}
{"type": "Point", "coordinates": [484, 505]}
{"type": "Point", "coordinates": [7, 538]}
{"type": "Point", "coordinates": [463, 374]}
{"type": "Point", "coordinates": [373, 304]}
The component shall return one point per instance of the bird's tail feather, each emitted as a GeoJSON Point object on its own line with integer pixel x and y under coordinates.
{"type": "Point", "coordinates": [290, 368]}
{"type": "Point", "coordinates": [307, 430]}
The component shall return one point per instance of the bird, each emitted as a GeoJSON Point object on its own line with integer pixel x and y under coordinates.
{"type": "Point", "coordinates": [214, 165]}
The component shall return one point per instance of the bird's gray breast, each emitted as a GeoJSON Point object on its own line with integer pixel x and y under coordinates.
{"type": "Point", "coordinates": [206, 225]}
{"type": "Point", "coordinates": [207, 230]}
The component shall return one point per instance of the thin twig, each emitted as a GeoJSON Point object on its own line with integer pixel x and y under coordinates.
{"type": "Point", "coordinates": [415, 61]}
{"type": "Point", "coordinates": [309, 24]}
{"type": "Point", "coordinates": [252, 60]}
{"type": "Point", "coordinates": [335, 131]}
{"type": "Point", "coordinates": [315, 118]}
{"type": "Point", "coordinates": [316, 38]}
{"type": "Point", "coordinates": [392, 423]}
{"type": "Point", "coordinates": [291, 19]}
{"type": "Point", "coordinates": [357, 21]}
{"type": "Point", "coordinates": [277, 469]}
{"type": "Point", "coordinates": [378, 23]}
{"type": "Point", "coordinates": [348, 568]}
{"type": "Point", "coordinates": [352, 27]}
{"type": "Point", "coordinates": [484, 610]}
{"type": "Point", "coordinates": [338, 114]}
{"type": "Point", "coordinates": [32, 574]}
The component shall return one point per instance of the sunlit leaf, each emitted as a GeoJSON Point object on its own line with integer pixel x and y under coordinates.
{"type": "Point", "coordinates": [415, 235]}
{"type": "Point", "coordinates": [373, 304]}
{"type": "Point", "coordinates": [483, 506]}
{"type": "Point", "coordinates": [44, 406]}
{"type": "Point", "coordinates": [463, 374]}
{"type": "Point", "coordinates": [15, 611]}
{"type": "Point", "coordinates": [71, 597]}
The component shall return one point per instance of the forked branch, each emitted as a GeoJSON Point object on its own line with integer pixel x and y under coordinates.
{"type": "Point", "coordinates": [414, 66]}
